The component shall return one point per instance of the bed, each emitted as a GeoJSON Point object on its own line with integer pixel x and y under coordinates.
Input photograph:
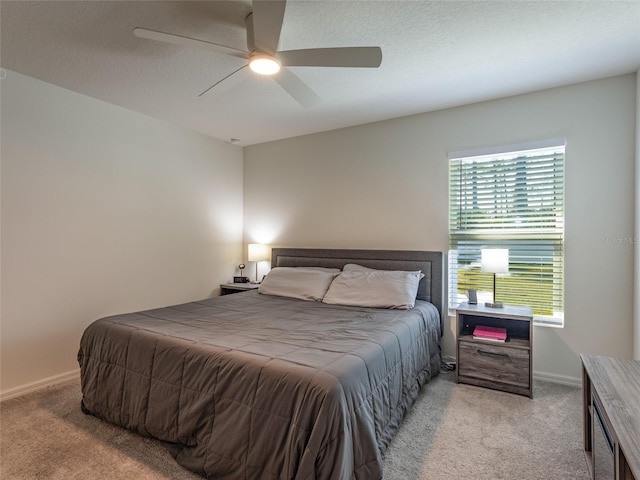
{"type": "Point", "coordinates": [255, 386]}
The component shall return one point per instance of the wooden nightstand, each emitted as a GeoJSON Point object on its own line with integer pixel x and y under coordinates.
{"type": "Point", "coordinates": [503, 366]}
{"type": "Point", "coordinates": [229, 288]}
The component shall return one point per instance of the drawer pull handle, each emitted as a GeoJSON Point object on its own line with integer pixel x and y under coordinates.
{"type": "Point", "coordinates": [493, 354]}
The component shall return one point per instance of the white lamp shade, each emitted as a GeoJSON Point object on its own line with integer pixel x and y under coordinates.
{"type": "Point", "coordinates": [495, 260]}
{"type": "Point", "coordinates": [258, 252]}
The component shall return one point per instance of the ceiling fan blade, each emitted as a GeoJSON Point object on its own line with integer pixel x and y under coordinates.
{"type": "Point", "coordinates": [188, 42]}
{"type": "Point", "coordinates": [296, 88]}
{"type": "Point", "coordinates": [267, 24]}
{"type": "Point", "coordinates": [367, 57]}
{"type": "Point", "coordinates": [229, 81]}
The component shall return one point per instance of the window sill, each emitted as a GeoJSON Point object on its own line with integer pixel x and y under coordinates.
{"type": "Point", "coordinates": [542, 323]}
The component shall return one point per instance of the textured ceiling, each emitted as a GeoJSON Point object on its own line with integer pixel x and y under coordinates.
{"type": "Point", "coordinates": [436, 54]}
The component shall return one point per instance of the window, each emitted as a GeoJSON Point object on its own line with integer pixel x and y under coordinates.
{"type": "Point", "coordinates": [512, 200]}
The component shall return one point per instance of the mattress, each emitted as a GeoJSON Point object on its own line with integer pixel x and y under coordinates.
{"type": "Point", "coordinates": [251, 386]}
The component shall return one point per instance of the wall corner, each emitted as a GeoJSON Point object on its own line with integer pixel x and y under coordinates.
{"type": "Point", "coordinates": [636, 294]}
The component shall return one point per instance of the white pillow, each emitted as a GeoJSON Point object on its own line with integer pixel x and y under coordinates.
{"type": "Point", "coordinates": [353, 267]}
{"type": "Point", "coordinates": [298, 282]}
{"type": "Point", "coordinates": [374, 288]}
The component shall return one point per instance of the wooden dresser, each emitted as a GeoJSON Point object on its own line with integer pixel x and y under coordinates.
{"type": "Point", "coordinates": [611, 416]}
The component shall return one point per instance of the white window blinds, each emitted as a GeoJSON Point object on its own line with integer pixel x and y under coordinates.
{"type": "Point", "coordinates": [512, 200]}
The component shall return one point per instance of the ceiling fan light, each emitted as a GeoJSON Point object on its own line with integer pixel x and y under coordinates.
{"type": "Point", "coordinates": [264, 64]}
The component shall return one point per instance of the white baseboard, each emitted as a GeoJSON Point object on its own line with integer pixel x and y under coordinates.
{"type": "Point", "coordinates": [561, 379]}
{"type": "Point", "coordinates": [38, 385]}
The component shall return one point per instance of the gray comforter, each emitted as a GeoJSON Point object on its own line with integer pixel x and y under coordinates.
{"type": "Point", "coordinates": [249, 386]}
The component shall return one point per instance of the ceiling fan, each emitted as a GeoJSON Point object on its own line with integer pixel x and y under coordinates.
{"type": "Point", "coordinates": [263, 33]}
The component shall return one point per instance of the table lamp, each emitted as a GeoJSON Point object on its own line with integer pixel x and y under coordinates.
{"type": "Point", "coordinates": [494, 260]}
{"type": "Point", "coordinates": [257, 252]}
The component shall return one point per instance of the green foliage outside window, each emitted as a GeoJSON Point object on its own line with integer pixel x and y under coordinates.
{"type": "Point", "coordinates": [513, 289]}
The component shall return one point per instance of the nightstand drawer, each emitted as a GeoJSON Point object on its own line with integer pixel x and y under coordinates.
{"type": "Point", "coordinates": [494, 363]}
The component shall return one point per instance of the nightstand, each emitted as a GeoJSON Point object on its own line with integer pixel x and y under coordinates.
{"type": "Point", "coordinates": [229, 288]}
{"type": "Point", "coordinates": [505, 366]}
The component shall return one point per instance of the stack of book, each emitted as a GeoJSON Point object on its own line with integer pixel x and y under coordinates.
{"type": "Point", "coordinates": [496, 334]}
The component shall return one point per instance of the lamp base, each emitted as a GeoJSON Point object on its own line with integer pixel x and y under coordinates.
{"type": "Point", "coordinates": [494, 305]}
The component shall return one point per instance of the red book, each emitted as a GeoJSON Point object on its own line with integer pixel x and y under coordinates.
{"type": "Point", "coordinates": [490, 333]}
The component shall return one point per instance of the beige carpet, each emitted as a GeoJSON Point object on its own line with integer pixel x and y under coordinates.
{"type": "Point", "coordinates": [453, 432]}
{"type": "Point", "coordinates": [462, 432]}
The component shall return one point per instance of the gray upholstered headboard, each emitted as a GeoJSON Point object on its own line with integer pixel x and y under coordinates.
{"type": "Point", "coordinates": [432, 265]}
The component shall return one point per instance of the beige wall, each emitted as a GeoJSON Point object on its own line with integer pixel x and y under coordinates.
{"type": "Point", "coordinates": [384, 185]}
{"type": "Point", "coordinates": [103, 211]}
